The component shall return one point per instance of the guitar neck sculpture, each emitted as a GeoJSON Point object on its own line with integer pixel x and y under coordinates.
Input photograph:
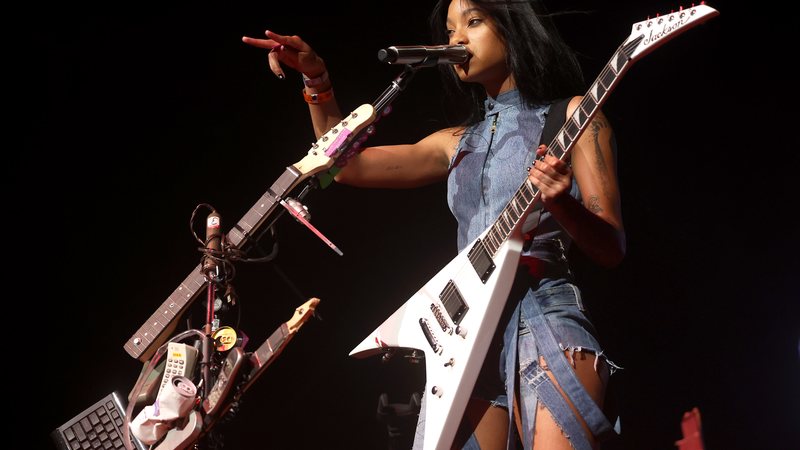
{"type": "Point", "coordinates": [322, 155]}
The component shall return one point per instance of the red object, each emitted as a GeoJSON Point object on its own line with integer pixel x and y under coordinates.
{"type": "Point", "coordinates": [692, 435]}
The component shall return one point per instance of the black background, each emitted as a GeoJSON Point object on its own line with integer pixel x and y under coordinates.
{"type": "Point", "coordinates": [136, 116]}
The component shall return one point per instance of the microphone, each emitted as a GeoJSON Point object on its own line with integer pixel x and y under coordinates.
{"type": "Point", "coordinates": [429, 55]}
{"type": "Point", "coordinates": [213, 243]}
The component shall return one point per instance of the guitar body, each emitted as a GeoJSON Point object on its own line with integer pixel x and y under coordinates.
{"type": "Point", "coordinates": [455, 354]}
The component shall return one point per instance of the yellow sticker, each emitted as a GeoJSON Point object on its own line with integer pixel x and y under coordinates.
{"type": "Point", "coordinates": [224, 338]}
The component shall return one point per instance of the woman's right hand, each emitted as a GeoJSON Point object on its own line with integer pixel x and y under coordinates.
{"type": "Point", "coordinates": [291, 51]}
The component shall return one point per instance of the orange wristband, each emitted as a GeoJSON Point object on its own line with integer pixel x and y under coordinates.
{"type": "Point", "coordinates": [319, 97]}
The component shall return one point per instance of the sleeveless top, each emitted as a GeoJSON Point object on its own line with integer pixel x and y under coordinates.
{"type": "Point", "coordinates": [491, 164]}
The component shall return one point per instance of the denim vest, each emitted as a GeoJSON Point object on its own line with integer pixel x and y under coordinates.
{"type": "Point", "coordinates": [491, 164]}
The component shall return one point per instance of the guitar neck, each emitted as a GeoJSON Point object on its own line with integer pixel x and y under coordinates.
{"type": "Point", "coordinates": [527, 195]}
{"type": "Point", "coordinates": [645, 37]}
{"type": "Point", "coordinates": [267, 352]}
{"type": "Point", "coordinates": [163, 321]}
{"type": "Point", "coordinates": [276, 342]}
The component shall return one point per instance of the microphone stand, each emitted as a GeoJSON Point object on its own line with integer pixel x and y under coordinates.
{"type": "Point", "coordinates": [213, 266]}
{"type": "Point", "coordinates": [381, 106]}
{"type": "Point", "coordinates": [208, 330]}
{"type": "Point", "coordinates": [398, 84]}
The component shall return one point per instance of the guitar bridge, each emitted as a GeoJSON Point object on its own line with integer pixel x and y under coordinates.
{"type": "Point", "coordinates": [428, 332]}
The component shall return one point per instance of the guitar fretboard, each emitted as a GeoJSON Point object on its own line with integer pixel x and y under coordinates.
{"type": "Point", "coordinates": [527, 194]}
{"type": "Point", "coordinates": [269, 349]}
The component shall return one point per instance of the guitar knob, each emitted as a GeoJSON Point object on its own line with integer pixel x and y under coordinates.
{"type": "Point", "coordinates": [437, 391]}
{"type": "Point", "coordinates": [461, 331]}
{"type": "Point", "coordinates": [298, 207]}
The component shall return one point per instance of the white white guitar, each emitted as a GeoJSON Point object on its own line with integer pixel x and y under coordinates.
{"type": "Point", "coordinates": [453, 317]}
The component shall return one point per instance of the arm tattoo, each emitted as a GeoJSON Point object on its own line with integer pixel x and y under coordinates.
{"type": "Point", "coordinates": [597, 124]}
{"type": "Point", "coordinates": [594, 204]}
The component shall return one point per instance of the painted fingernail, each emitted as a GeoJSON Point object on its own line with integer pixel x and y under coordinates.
{"type": "Point", "coordinates": [281, 76]}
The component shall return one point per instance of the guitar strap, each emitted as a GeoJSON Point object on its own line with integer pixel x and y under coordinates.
{"type": "Point", "coordinates": [554, 120]}
{"type": "Point", "coordinates": [548, 347]}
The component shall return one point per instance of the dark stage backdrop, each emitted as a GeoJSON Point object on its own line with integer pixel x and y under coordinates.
{"type": "Point", "coordinates": [137, 115]}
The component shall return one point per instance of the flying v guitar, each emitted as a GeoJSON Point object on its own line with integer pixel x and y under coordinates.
{"type": "Point", "coordinates": [453, 317]}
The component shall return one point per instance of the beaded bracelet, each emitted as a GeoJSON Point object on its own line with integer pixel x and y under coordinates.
{"type": "Point", "coordinates": [319, 97]}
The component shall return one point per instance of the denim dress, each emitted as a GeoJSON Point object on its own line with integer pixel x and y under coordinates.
{"type": "Point", "coordinates": [544, 314]}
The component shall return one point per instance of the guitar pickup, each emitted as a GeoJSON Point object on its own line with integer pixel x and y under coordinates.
{"type": "Point", "coordinates": [481, 261]}
{"type": "Point", "coordinates": [453, 302]}
{"type": "Point", "coordinates": [439, 315]}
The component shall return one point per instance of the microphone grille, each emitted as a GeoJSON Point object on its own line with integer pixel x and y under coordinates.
{"type": "Point", "coordinates": [385, 56]}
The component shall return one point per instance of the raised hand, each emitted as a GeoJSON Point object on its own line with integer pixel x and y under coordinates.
{"type": "Point", "coordinates": [291, 51]}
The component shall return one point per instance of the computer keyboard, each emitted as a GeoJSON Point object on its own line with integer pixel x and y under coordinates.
{"type": "Point", "coordinates": [97, 427]}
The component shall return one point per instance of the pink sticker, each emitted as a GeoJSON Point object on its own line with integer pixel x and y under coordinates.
{"type": "Point", "coordinates": [337, 142]}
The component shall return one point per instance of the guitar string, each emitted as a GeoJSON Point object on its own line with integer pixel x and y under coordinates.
{"type": "Point", "coordinates": [497, 231]}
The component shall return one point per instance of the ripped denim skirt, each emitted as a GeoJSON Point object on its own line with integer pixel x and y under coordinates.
{"type": "Point", "coordinates": [545, 317]}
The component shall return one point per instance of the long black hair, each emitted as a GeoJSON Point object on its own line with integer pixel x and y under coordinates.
{"type": "Point", "coordinates": [544, 67]}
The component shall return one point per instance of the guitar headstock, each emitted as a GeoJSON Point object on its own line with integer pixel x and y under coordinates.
{"type": "Point", "coordinates": [330, 145]}
{"type": "Point", "coordinates": [649, 34]}
{"type": "Point", "coordinates": [302, 314]}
